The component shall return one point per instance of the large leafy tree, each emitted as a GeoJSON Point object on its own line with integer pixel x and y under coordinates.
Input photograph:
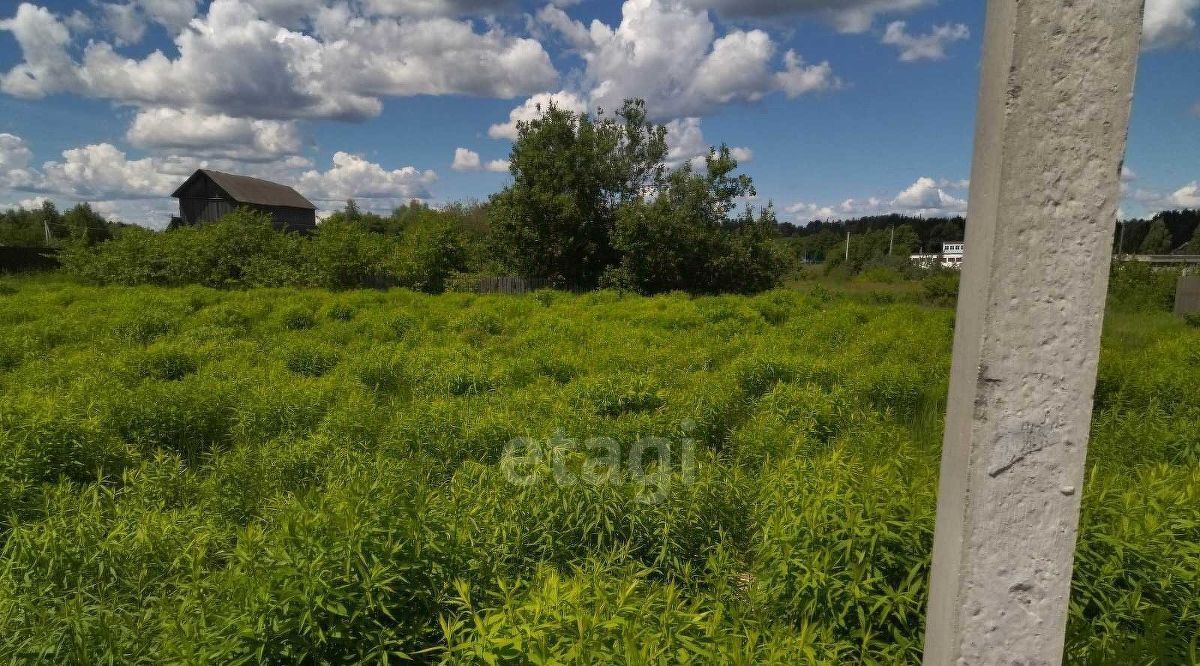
{"type": "Point", "coordinates": [571, 173]}
{"type": "Point", "coordinates": [84, 225]}
{"type": "Point", "coordinates": [1158, 239]}
{"type": "Point", "coordinates": [689, 235]}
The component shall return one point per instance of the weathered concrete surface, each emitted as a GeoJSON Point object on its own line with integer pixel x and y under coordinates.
{"type": "Point", "coordinates": [1187, 296]}
{"type": "Point", "coordinates": [1045, 185]}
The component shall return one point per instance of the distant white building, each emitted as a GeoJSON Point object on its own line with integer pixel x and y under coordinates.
{"type": "Point", "coordinates": [951, 256]}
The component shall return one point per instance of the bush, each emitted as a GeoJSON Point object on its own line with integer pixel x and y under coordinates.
{"type": "Point", "coordinates": [298, 319]}
{"type": "Point", "coordinates": [940, 289]}
{"type": "Point", "coordinates": [185, 480]}
{"type": "Point", "coordinates": [1138, 287]}
{"type": "Point", "coordinates": [166, 364]}
{"type": "Point", "coordinates": [310, 360]}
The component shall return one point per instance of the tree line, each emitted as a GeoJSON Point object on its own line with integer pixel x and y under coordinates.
{"type": "Point", "coordinates": [45, 226]}
{"type": "Point", "coordinates": [593, 202]}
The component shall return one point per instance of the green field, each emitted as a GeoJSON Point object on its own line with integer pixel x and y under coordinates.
{"type": "Point", "coordinates": [285, 476]}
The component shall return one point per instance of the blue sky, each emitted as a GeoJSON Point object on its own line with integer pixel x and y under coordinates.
{"type": "Point", "coordinates": [838, 108]}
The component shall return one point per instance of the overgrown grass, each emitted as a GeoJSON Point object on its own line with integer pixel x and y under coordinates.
{"type": "Point", "coordinates": [201, 476]}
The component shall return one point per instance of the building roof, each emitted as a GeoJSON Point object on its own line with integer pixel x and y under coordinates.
{"type": "Point", "coordinates": [244, 189]}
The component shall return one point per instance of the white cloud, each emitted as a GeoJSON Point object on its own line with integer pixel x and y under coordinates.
{"type": "Point", "coordinates": [102, 171]}
{"type": "Point", "coordinates": [807, 212]}
{"type": "Point", "coordinates": [15, 157]}
{"type": "Point", "coordinates": [174, 15]}
{"type": "Point", "coordinates": [669, 53]}
{"type": "Point", "coordinates": [849, 16]}
{"type": "Point", "coordinates": [686, 144]}
{"type": "Point", "coordinates": [124, 22]}
{"type": "Point", "coordinates": [233, 62]}
{"type": "Point", "coordinates": [931, 46]}
{"type": "Point", "coordinates": [798, 79]}
{"type": "Point", "coordinates": [533, 108]}
{"type": "Point", "coordinates": [437, 7]}
{"type": "Point", "coordinates": [1187, 196]}
{"type": "Point", "coordinates": [43, 41]}
{"type": "Point", "coordinates": [353, 177]}
{"type": "Point", "coordinates": [219, 135]}
{"type": "Point", "coordinates": [465, 160]}
{"type": "Point", "coordinates": [497, 166]}
{"type": "Point", "coordinates": [926, 195]}
{"type": "Point", "coordinates": [469, 160]}
{"type": "Point", "coordinates": [924, 198]}
{"type": "Point", "coordinates": [127, 21]}
{"type": "Point", "coordinates": [1169, 23]}
{"type": "Point", "coordinates": [1152, 200]}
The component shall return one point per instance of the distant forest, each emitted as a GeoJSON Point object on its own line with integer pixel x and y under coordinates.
{"type": "Point", "coordinates": [887, 238]}
{"type": "Point", "coordinates": [1166, 233]}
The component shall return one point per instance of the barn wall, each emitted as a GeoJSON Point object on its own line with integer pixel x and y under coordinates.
{"type": "Point", "coordinates": [291, 219]}
{"type": "Point", "coordinates": [202, 211]}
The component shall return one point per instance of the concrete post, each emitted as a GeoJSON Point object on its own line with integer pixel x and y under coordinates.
{"type": "Point", "coordinates": [1187, 295]}
{"type": "Point", "coordinates": [1045, 186]}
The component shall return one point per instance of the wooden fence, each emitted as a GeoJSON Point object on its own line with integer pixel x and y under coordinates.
{"type": "Point", "coordinates": [27, 259]}
{"type": "Point", "coordinates": [510, 285]}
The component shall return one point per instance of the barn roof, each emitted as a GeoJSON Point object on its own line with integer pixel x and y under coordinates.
{"type": "Point", "coordinates": [244, 189]}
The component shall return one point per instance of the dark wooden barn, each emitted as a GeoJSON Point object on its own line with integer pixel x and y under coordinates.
{"type": "Point", "coordinates": [208, 195]}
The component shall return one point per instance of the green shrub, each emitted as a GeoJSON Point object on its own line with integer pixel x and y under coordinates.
{"type": "Point", "coordinates": [298, 319]}
{"type": "Point", "coordinates": [189, 417]}
{"type": "Point", "coordinates": [310, 360]}
{"type": "Point", "coordinates": [940, 289]}
{"type": "Point", "coordinates": [1134, 286]}
{"type": "Point", "coordinates": [167, 364]}
{"type": "Point", "coordinates": [183, 479]}
{"type": "Point", "coordinates": [341, 312]}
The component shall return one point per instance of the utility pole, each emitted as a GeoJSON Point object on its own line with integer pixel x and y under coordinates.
{"type": "Point", "coordinates": [847, 243]}
{"type": "Point", "coordinates": [892, 242]}
{"type": "Point", "coordinates": [46, 229]}
{"type": "Point", "coordinates": [1121, 243]}
{"type": "Point", "coordinates": [1057, 80]}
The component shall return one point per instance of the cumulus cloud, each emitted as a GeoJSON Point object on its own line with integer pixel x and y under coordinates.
{"type": "Point", "coordinates": [1169, 23]}
{"type": "Point", "coordinates": [438, 7]}
{"type": "Point", "coordinates": [849, 16]}
{"type": "Point", "coordinates": [218, 135]}
{"type": "Point", "coordinates": [15, 157]}
{"type": "Point", "coordinates": [497, 166]}
{"type": "Point", "coordinates": [931, 46]}
{"type": "Point", "coordinates": [465, 160]}
{"type": "Point", "coordinates": [232, 61]}
{"type": "Point", "coordinates": [102, 172]}
{"type": "Point", "coordinates": [127, 21]}
{"type": "Point", "coordinates": [924, 198]}
{"type": "Point", "coordinates": [353, 177]}
{"type": "Point", "coordinates": [469, 160]}
{"type": "Point", "coordinates": [669, 53]}
{"type": "Point", "coordinates": [124, 22]}
{"type": "Point", "coordinates": [686, 144]}
{"type": "Point", "coordinates": [1187, 196]}
{"type": "Point", "coordinates": [533, 108]}
{"type": "Point", "coordinates": [925, 195]}
{"type": "Point", "coordinates": [43, 40]}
